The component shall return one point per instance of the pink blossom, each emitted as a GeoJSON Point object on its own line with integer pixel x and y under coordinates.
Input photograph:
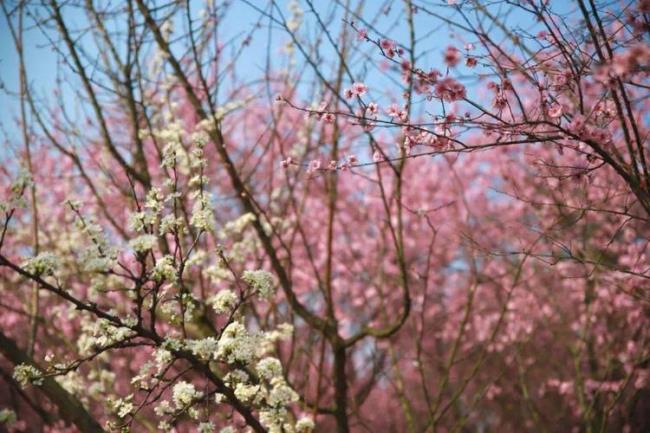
{"type": "Point", "coordinates": [287, 162]}
{"type": "Point", "coordinates": [359, 89]}
{"type": "Point", "coordinates": [392, 110]}
{"type": "Point", "coordinates": [388, 47]}
{"type": "Point", "coordinates": [314, 165]}
{"type": "Point", "coordinates": [452, 56]}
{"type": "Point", "coordinates": [449, 89]}
{"type": "Point", "coordinates": [329, 117]}
{"type": "Point", "coordinates": [577, 124]}
{"type": "Point", "coordinates": [555, 111]}
{"type": "Point", "coordinates": [500, 101]}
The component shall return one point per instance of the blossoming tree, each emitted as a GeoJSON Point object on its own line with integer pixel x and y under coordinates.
{"type": "Point", "coordinates": [362, 229]}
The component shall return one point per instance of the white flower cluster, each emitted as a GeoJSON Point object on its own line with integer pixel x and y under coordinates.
{"type": "Point", "coordinates": [269, 368]}
{"type": "Point", "coordinates": [296, 16]}
{"type": "Point", "coordinates": [281, 394]}
{"type": "Point", "coordinates": [72, 382]}
{"type": "Point", "coordinates": [205, 427]}
{"type": "Point", "coordinates": [143, 243]}
{"type": "Point", "coordinates": [173, 152]}
{"type": "Point", "coordinates": [162, 357]}
{"type": "Point", "coordinates": [270, 395]}
{"type": "Point", "coordinates": [155, 200]}
{"type": "Point", "coordinates": [171, 224]}
{"type": "Point", "coordinates": [204, 349]}
{"type": "Point", "coordinates": [100, 255]}
{"type": "Point", "coordinates": [164, 270]}
{"type": "Point", "coordinates": [189, 303]}
{"type": "Point", "coordinates": [26, 374]}
{"type": "Point", "coordinates": [221, 111]}
{"type": "Point", "coordinates": [202, 217]}
{"type": "Point", "coordinates": [217, 273]}
{"type": "Point", "coordinates": [7, 417]}
{"type": "Point", "coordinates": [261, 281]}
{"type": "Point", "coordinates": [305, 425]}
{"type": "Point", "coordinates": [138, 221]}
{"type": "Point", "coordinates": [237, 226]}
{"type": "Point", "coordinates": [101, 381]}
{"type": "Point", "coordinates": [100, 333]}
{"type": "Point", "coordinates": [273, 413]}
{"type": "Point", "coordinates": [255, 377]}
{"type": "Point", "coordinates": [184, 394]}
{"type": "Point", "coordinates": [249, 393]}
{"type": "Point", "coordinates": [144, 375]}
{"type": "Point", "coordinates": [42, 264]}
{"type": "Point", "coordinates": [224, 301]}
{"type": "Point", "coordinates": [122, 406]}
{"type": "Point", "coordinates": [163, 408]}
{"type": "Point", "coordinates": [237, 344]}
{"type": "Point", "coordinates": [18, 186]}
{"type": "Point", "coordinates": [94, 260]}
{"type": "Point", "coordinates": [166, 29]}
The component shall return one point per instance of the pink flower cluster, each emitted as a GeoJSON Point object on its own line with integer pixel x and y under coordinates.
{"type": "Point", "coordinates": [357, 89]}
{"type": "Point", "coordinates": [448, 89]}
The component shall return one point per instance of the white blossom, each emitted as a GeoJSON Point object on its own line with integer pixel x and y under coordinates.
{"type": "Point", "coordinates": [261, 281]}
{"type": "Point", "coordinates": [184, 394]}
{"type": "Point", "coordinates": [305, 425]}
{"type": "Point", "coordinates": [162, 358]}
{"type": "Point", "coordinates": [164, 269]}
{"type": "Point", "coordinates": [169, 224]}
{"type": "Point", "coordinates": [236, 344]}
{"type": "Point", "coordinates": [165, 426]}
{"type": "Point", "coordinates": [217, 273]}
{"type": "Point", "coordinates": [236, 376]}
{"type": "Point", "coordinates": [154, 200]}
{"type": "Point", "coordinates": [143, 243]}
{"type": "Point", "coordinates": [224, 301]}
{"type": "Point", "coordinates": [28, 374]}
{"type": "Point", "coordinates": [273, 419]}
{"type": "Point", "coordinates": [17, 197]}
{"type": "Point", "coordinates": [202, 217]}
{"type": "Point", "coordinates": [206, 427]}
{"type": "Point", "coordinates": [237, 226]}
{"type": "Point", "coordinates": [123, 406]}
{"type": "Point", "coordinates": [42, 264]}
{"type": "Point", "coordinates": [269, 368]}
{"type": "Point", "coordinates": [95, 261]}
{"type": "Point", "coordinates": [7, 416]}
{"type": "Point", "coordinates": [281, 394]}
{"type": "Point", "coordinates": [138, 221]}
{"type": "Point", "coordinates": [100, 333]}
{"type": "Point", "coordinates": [204, 348]}
{"type": "Point", "coordinates": [163, 408]}
{"type": "Point", "coordinates": [247, 393]}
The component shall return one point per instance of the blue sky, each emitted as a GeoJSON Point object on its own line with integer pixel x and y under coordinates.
{"type": "Point", "coordinates": [42, 61]}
